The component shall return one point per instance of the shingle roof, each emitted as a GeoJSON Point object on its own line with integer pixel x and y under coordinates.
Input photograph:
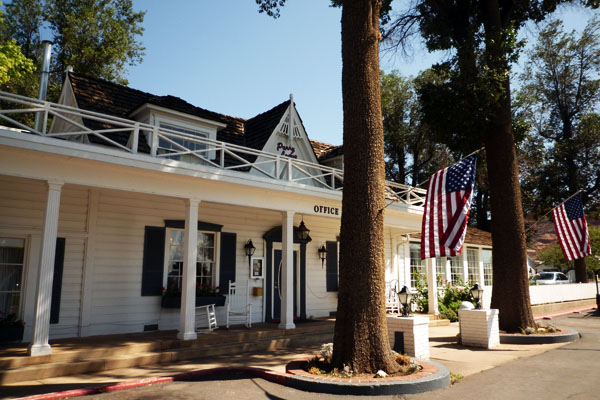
{"type": "Point", "coordinates": [324, 151]}
{"type": "Point", "coordinates": [259, 128]}
{"type": "Point", "coordinates": [477, 236]}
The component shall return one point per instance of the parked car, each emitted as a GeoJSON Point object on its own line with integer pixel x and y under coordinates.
{"type": "Point", "coordinates": [549, 278]}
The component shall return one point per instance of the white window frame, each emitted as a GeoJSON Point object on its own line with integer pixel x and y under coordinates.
{"type": "Point", "coordinates": [469, 281]}
{"type": "Point", "coordinates": [22, 294]}
{"type": "Point", "coordinates": [491, 268]}
{"type": "Point", "coordinates": [158, 119]}
{"type": "Point", "coordinates": [422, 268]}
{"type": "Point", "coordinates": [217, 255]}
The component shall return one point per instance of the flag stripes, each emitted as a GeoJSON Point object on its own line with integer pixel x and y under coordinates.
{"type": "Point", "coordinates": [571, 229]}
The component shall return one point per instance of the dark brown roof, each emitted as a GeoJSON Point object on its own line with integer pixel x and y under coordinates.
{"type": "Point", "coordinates": [324, 151]}
{"type": "Point", "coordinates": [259, 128]}
{"type": "Point", "coordinates": [477, 236]}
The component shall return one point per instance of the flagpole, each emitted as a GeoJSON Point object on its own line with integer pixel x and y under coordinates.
{"type": "Point", "coordinates": [468, 155]}
{"type": "Point", "coordinates": [542, 217]}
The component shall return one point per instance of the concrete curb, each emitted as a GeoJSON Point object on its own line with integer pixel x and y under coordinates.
{"type": "Point", "coordinates": [569, 336]}
{"type": "Point", "coordinates": [560, 314]}
{"type": "Point", "coordinates": [437, 380]}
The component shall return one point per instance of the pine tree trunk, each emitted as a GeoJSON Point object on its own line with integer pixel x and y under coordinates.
{"type": "Point", "coordinates": [360, 338]}
{"type": "Point", "coordinates": [510, 292]}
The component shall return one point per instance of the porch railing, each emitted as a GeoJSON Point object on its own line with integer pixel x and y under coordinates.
{"type": "Point", "coordinates": [93, 128]}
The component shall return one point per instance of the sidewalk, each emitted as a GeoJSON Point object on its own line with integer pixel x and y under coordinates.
{"type": "Point", "coordinates": [460, 360]}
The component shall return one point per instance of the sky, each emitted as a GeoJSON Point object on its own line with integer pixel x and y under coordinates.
{"type": "Point", "coordinates": [226, 57]}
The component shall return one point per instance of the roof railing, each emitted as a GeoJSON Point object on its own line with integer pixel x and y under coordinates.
{"type": "Point", "coordinates": [73, 124]}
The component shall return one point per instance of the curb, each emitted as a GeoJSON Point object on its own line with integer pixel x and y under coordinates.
{"type": "Point", "coordinates": [565, 313]}
{"type": "Point", "coordinates": [439, 379]}
{"type": "Point", "coordinates": [569, 336]}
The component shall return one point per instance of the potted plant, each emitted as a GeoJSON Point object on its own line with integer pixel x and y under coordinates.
{"type": "Point", "coordinates": [11, 328]}
{"type": "Point", "coordinates": [171, 297]}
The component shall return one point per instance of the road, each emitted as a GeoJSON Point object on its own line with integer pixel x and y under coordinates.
{"type": "Point", "coordinates": [569, 372]}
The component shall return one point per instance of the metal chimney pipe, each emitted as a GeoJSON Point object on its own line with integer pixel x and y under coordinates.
{"type": "Point", "coordinates": [43, 82]}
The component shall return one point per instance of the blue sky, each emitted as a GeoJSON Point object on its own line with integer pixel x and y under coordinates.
{"type": "Point", "coordinates": [226, 57]}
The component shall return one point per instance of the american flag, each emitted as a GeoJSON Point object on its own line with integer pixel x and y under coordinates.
{"type": "Point", "coordinates": [447, 207]}
{"type": "Point", "coordinates": [571, 228]}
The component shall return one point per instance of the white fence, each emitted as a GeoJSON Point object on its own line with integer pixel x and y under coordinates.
{"type": "Point", "coordinates": [544, 294]}
{"type": "Point", "coordinates": [154, 141]}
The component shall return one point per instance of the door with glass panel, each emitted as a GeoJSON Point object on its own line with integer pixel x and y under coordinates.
{"type": "Point", "coordinates": [12, 256]}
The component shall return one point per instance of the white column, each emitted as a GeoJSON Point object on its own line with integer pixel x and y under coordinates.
{"type": "Point", "coordinates": [187, 316]}
{"type": "Point", "coordinates": [41, 329]}
{"type": "Point", "coordinates": [446, 262]}
{"type": "Point", "coordinates": [463, 261]}
{"type": "Point", "coordinates": [482, 277]}
{"type": "Point", "coordinates": [287, 272]}
{"type": "Point", "coordinates": [432, 286]}
{"type": "Point", "coordinates": [406, 265]}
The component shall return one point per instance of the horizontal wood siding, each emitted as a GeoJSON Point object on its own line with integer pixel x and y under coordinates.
{"type": "Point", "coordinates": [22, 206]}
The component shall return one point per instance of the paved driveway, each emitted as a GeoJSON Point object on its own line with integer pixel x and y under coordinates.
{"type": "Point", "coordinates": [569, 372]}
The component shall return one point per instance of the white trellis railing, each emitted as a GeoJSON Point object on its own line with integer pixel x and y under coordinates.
{"type": "Point", "coordinates": [93, 128]}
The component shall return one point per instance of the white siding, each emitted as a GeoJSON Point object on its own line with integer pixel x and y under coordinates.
{"type": "Point", "coordinates": [22, 205]}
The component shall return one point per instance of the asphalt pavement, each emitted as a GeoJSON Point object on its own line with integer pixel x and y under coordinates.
{"type": "Point", "coordinates": [566, 372]}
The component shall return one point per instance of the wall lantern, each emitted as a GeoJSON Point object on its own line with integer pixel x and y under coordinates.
{"type": "Point", "coordinates": [303, 230]}
{"type": "Point", "coordinates": [405, 297]}
{"type": "Point", "coordinates": [322, 254]}
{"type": "Point", "coordinates": [249, 248]}
{"type": "Point", "coordinates": [477, 293]}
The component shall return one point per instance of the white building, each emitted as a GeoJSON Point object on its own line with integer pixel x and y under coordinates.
{"type": "Point", "coordinates": [95, 205]}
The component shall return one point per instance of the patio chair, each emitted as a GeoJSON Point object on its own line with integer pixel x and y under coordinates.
{"type": "Point", "coordinates": [392, 303]}
{"type": "Point", "coordinates": [210, 318]}
{"type": "Point", "coordinates": [238, 305]}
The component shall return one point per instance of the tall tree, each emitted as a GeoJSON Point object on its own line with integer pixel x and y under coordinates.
{"type": "Point", "coordinates": [561, 91]}
{"type": "Point", "coordinates": [360, 337]}
{"type": "Point", "coordinates": [13, 63]}
{"type": "Point", "coordinates": [411, 156]}
{"type": "Point", "coordinates": [99, 38]}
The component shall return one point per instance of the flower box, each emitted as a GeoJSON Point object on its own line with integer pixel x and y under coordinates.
{"type": "Point", "coordinates": [175, 301]}
{"type": "Point", "coordinates": [11, 334]}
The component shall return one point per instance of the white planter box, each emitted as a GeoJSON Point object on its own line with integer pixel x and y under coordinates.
{"type": "Point", "coordinates": [479, 328]}
{"type": "Point", "coordinates": [416, 334]}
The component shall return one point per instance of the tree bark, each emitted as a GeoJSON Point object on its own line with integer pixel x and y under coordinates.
{"type": "Point", "coordinates": [360, 337]}
{"type": "Point", "coordinates": [510, 291]}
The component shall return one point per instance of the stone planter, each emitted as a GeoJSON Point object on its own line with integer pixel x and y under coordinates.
{"type": "Point", "coordinates": [11, 334]}
{"type": "Point", "coordinates": [479, 328]}
{"type": "Point", "coordinates": [175, 301]}
{"type": "Point", "coordinates": [413, 332]}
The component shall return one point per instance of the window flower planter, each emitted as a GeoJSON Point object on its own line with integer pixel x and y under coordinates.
{"type": "Point", "coordinates": [175, 301]}
{"type": "Point", "coordinates": [11, 334]}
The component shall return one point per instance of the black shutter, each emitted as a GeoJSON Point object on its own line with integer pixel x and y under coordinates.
{"type": "Point", "coordinates": [332, 267]}
{"type": "Point", "coordinates": [154, 261]}
{"type": "Point", "coordinates": [59, 261]}
{"type": "Point", "coordinates": [227, 260]}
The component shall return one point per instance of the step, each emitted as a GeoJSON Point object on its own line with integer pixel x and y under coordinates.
{"type": "Point", "coordinates": [185, 352]}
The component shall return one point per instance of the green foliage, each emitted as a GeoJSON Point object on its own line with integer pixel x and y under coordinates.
{"type": "Point", "coordinates": [421, 296]}
{"type": "Point", "coordinates": [99, 38]}
{"type": "Point", "coordinates": [14, 65]}
{"type": "Point", "coordinates": [559, 101]}
{"type": "Point", "coordinates": [553, 255]}
{"type": "Point", "coordinates": [450, 301]}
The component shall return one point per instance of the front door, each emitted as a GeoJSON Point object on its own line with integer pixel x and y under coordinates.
{"type": "Point", "coordinates": [277, 274]}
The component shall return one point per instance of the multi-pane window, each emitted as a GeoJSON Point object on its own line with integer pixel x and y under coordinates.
{"type": "Point", "coordinates": [440, 268]}
{"type": "Point", "coordinates": [417, 266]}
{"type": "Point", "coordinates": [472, 266]}
{"type": "Point", "coordinates": [205, 261]}
{"type": "Point", "coordinates": [169, 146]}
{"type": "Point", "coordinates": [12, 254]}
{"type": "Point", "coordinates": [486, 255]}
{"type": "Point", "coordinates": [456, 270]}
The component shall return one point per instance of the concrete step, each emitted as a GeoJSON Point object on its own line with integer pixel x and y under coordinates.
{"type": "Point", "coordinates": [71, 364]}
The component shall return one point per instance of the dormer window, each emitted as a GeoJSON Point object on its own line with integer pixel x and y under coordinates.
{"type": "Point", "coordinates": [170, 146]}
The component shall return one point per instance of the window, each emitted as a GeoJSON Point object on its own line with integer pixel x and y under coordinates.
{"type": "Point", "coordinates": [456, 270]}
{"type": "Point", "coordinates": [12, 254]}
{"type": "Point", "coordinates": [206, 264]}
{"type": "Point", "coordinates": [486, 255]}
{"type": "Point", "coordinates": [472, 266]}
{"type": "Point", "coordinates": [168, 147]}
{"type": "Point", "coordinates": [440, 268]}
{"type": "Point", "coordinates": [417, 266]}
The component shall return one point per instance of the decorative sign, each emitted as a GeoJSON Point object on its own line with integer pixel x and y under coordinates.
{"type": "Point", "coordinates": [288, 151]}
{"type": "Point", "coordinates": [326, 210]}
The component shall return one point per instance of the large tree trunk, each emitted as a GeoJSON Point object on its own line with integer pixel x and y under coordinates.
{"type": "Point", "coordinates": [510, 292]}
{"type": "Point", "coordinates": [361, 339]}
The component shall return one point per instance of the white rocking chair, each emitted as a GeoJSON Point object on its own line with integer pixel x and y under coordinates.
{"type": "Point", "coordinates": [392, 303]}
{"type": "Point", "coordinates": [238, 305]}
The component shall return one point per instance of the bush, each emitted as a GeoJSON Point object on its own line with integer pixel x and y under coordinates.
{"type": "Point", "coordinates": [451, 300]}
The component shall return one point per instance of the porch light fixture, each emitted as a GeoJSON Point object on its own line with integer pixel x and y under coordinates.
{"type": "Point", "coordinates": [405, 297]}
{"type": "Point", "coordinates": [322, 254]}
{"type": "Point", "coordinates": [477, 293]}
{"type": "Point", "coordinates": [249, 248]}
{"type": "Point", "coordinates": [303, 230]}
